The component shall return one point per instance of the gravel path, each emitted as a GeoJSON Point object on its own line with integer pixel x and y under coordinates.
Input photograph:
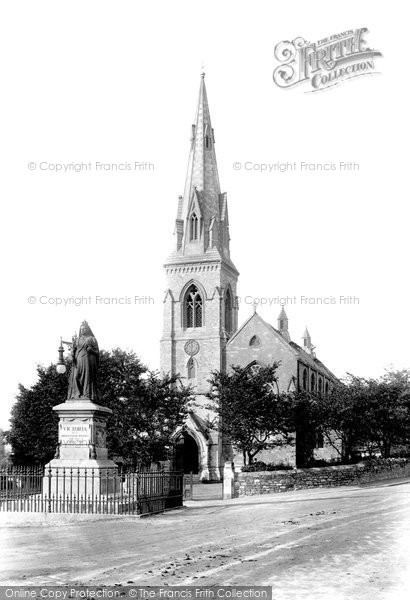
{"type": "Point", "coordinates": [340, 543]}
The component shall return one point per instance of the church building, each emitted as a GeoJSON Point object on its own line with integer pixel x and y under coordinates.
{"type": "Point", "coordinates": [257, 343]}
{"type": "Point", "coordinates": [200, 328]}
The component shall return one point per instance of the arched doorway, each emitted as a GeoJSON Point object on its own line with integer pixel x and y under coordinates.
{"type": "Point", "coordinates": [187, 454]}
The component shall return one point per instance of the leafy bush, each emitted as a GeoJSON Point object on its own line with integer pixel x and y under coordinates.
{"type": "Point", "coordinates": [400, 452]}
{"type": "Point", "coordinates": [328, 463]}
{"type": "Point", "coordinates": [378, 461]}
{"type": "Point", "coordinates": [261, 466]}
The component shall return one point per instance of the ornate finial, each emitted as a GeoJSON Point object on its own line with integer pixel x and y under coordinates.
{"type": "Point", "coordinates": [254, 303]}
{"type": "Point", "coordinates": [203, 70]}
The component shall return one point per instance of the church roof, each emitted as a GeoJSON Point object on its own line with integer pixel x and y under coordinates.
{"type": "Point", "coordinates": [238, 331]}
{"type": "Point", "coordinates": [311, 361]}
{"type": "Point", "coordinates": [300, 353]}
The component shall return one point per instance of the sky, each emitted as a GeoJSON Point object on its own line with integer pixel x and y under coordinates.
{"type": "Point", "coordinates": [102, 83]}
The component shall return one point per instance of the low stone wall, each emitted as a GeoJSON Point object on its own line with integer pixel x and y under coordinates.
{"type": "Point", "coordinates": [271, 482]}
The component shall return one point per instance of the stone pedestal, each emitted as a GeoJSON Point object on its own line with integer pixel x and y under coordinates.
{"type": "Point", "coordinates": [81, 467]}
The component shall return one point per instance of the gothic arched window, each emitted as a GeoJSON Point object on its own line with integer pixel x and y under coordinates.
{"type": "Point", "coordinates": [254, 341]}
{"type": "Point", "coordinates": [312, 382]}
{"type": "Point", "coordinates": [304, 379]}
{"type": "Point", "coordinates": [191, 368]}
{"type": "Point", "coordinates": [327, 388]}
{"type": "Point", "coordinates": [320, 385]}
{"type": "Point", "coordinates": [228, 311]}
{"type": "Point", "coordinates": [193, 308]}
{"type": "Point", "coordinates": [193, 227]}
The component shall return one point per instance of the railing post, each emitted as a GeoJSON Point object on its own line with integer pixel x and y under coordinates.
{"type": "Point", "coordinates": [164, 487]}
{"type": "Point", "coordinates": [121, 499]}
{"type": "Point", "coordinates": [78, 489]}
{"type": "Point", "coordinates": [64, 500]}
{"type": "Point", "coordinates": [49, 487]}
{"type": "Point", "coordinates": [85, 491]}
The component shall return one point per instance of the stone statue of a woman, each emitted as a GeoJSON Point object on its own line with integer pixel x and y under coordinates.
{"type": "Point", "coordinates": [85, 357]}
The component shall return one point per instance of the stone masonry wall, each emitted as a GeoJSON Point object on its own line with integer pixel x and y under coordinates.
{"type": "Point", "coordinates": [271, 482]}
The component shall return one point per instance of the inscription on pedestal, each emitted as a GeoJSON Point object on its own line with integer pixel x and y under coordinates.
{"type": "Point", "coordinates": [76, 433]}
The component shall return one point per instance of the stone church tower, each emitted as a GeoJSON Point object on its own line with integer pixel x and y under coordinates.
{"type": "Point", "coordinates": [200, 305]}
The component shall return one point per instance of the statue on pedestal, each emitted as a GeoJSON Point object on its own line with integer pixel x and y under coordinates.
{"type": "Point", "coordinates": [81, 468]}
{"type": "Point", "coordinates": [85, 356]}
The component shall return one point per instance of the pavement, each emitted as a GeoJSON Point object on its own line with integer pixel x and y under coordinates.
{"type": "Point", "coordinates": [338, 543]}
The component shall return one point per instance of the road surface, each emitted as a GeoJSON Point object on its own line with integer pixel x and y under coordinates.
{"type": "Point", "coordinates": [338, 544]}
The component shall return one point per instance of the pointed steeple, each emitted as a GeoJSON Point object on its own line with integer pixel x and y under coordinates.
{"type": "Point", "coordinates": [283, 324]}
{"type": "Point", "coordinates": [202, 219]}
{"type": "Point", "coordinates": [307, 340]}
{"type": "Point", "coordinates": [202, 174]}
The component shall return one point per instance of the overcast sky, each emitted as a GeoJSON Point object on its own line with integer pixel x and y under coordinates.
{"type": "Point", "coordinates": [117, 82]}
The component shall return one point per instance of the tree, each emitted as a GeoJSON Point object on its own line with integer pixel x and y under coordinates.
{"type": "Point", "coordinates": [388, 410]}
{"type": "Point", "coordinates": [147, 408]}
{"type": "Point", "coordinates": [250, 410]}
{"type": "Point", "coordinates": [3, 453]}
{"type": "Point", "coordinates": [307, 421]}
{"type": "Point", "coordinates": [33, 434]}
{"type": "Point", "coordinates": [372, 413]}
{"type": "Point", "coordinates": [340, 415]}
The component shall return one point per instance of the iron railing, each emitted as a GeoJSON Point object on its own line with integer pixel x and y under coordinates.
{"type": "Point", "coordinates": [85, 490]}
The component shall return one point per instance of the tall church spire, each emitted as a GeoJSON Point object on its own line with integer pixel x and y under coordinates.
{"type": "Point", "coordinates": [202, 171]}
{"type": "Point", "coordinates": [202, 219]}
{"type": "Point", "coordinates": [200, 304]}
